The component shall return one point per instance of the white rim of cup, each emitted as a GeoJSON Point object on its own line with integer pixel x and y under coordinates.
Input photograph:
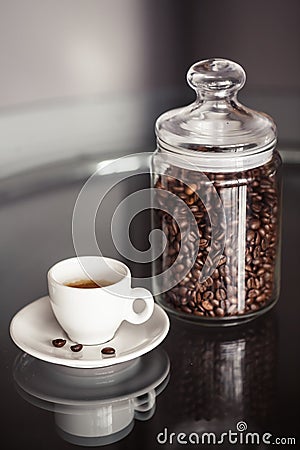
{"type": "Point", "coordinates": [63, 261]}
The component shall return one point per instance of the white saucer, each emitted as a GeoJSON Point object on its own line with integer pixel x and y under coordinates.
{"type": "Point", "coordinates": [34, 327]}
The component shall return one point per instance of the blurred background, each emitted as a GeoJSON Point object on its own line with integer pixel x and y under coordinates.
{"type": "Point", "coordinates": [87, 77]}
{"type": "Point", "coordinates": [82, 82]}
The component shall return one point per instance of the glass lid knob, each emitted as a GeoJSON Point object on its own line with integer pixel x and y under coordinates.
{"type": "Point", "coordinates": [216, 78]}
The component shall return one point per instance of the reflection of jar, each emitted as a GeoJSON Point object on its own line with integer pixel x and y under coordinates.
{"type": "Point", "coordinates": [217, 202]}
{"type": "Point", "coordinates": [223, 376]}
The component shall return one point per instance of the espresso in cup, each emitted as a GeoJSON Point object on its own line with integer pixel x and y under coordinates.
{"type": "Point", "coordinates": [90, 312]}
{"type": "Point", "coordinates": [88, 284]}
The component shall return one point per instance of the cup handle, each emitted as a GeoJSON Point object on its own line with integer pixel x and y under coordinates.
{"type": "Point", "coordinates": [147, 297]}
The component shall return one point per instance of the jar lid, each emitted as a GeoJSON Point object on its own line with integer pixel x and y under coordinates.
{"type": "Point", "coordinates": [216, 123]}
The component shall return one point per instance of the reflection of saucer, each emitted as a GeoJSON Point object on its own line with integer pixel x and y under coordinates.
{"type": "Point", "coordinates": [94, 406]}
{"type": "Point", "coordinates": [34, 327]}
{"type": "Point", "coordinates": [73, 386]}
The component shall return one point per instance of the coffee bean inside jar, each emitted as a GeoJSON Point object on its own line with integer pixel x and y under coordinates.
{"type": "Point", "coordinates": [251, 205]}
{"type": "Point", "coordinates": [219, 262]}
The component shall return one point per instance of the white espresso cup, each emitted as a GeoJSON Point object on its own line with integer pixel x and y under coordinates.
{"type": "Point", "coordinates": [93, 315]}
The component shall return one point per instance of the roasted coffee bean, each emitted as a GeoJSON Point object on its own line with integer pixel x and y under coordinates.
{"type": "Point", "coordinates": [231, 291]}
{"type": "Point", "coordinates": [190, 201]}
{"type": "Point", "coordinates": [257, 238]}
{"type": "Point", "coordinates": [187, 309]}
{"type": "Point", "coordinates": [250, 235]}
{"type": "Point", "coordinates": [227, 280]}
{"type": "Point", "coordinates": [217, 284]}
{"type": "Point", "coordinates": [223, 305]}
{"type": "Point", "coordinates": [108, 352]}
{"type": "Point", "coordinates": [222, 260]}
{"type": "Point", "coordinates": [215, 302]}
{"type": "Point", "coordinates": [264, 244]}
{"type": "Point", "coordinates": [224, 270]}
{"type": "Point", "coordinates": [203, 243]}
{"type": "Point", "coordinates": [196, 273]}
{"type": "Point", "coordinates": [177, 246]}
{"type": "Point", "coordinates": [201, 288]}
{"type": "Point", "coordinates": [180, 267]}
{"type": "Point", "coordinates": [220, 292]}
{"type": "Point", "coordinates": [256, 252]}
{"type": "Point", "coordinates": [208, 295]}
{"type": "Point", "coordinates": [253, 283]}
{"type": "Point", "coordinates": [189, 190]}
{"type": "Point", "coordinates": [220, 312]}
{"type": "Point", "coordinates": [183, 300]}
{"type": "Point", "coordinates": [256, 262]}
{"type": "Point", "coordinates": [76, 347]}
{"type": "Point", "coordinates": [265, 184]}
{"type": "Point", "coordinates": [215, 274]}
{"type": "Point", "coordinates": [254, 307]}
{"type": "Point", "coordinates": [262, 232]}
{"type": "Point", "coordinates": [194, 209]}
{"type": "Point", "coordinates": [209, 282]}
{"type": "Point", "coordinates": [254, 224]}
{"type": "Point", "coordinates": [256, 207]}
{"type": "Point", "coordinates": [207, 305]}
{"type": "Point", "coordinates": [253, 293]}
{"type": "Point", "coordinates": [59, 342]}
{"type": "Point", "coordinates": [193, 237]}
{"type": "Point", "coordinates": [260, 271]}
{"type": "Point", "coordinates": [232, 309]}
{"type": "Point", "coordinates": [261, 298]}
{"type": "Point", "coordinates": [227, 303]}
{"type": "Point", "coordinates": [198, 297]}
{"type": "Point", "coordinates": [268, 276]}
{"type": "Point", "coordinates": [172, 251]}
{"type": "Point", "coordinates": [183, 290]}
{"type": "Point", "coordinates": [198, 313]}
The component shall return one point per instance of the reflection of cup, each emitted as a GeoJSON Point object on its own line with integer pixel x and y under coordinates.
{"type": "Point", "coordinates": [100, 421]}
{"type": "Point", "coordinates": [94, 406]}
{"type": "Point", "coordinates": [92, 316]}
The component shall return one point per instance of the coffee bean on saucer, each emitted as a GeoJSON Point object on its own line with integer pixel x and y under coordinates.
{"type": "Point", "coordinates": [76, 347]}
{"type": "Point", "coordinates": [58, 342]}
{"type": "Point", "coordinates": [108, 352]}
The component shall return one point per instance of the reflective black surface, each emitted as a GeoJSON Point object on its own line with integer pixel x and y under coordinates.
{"type": "Point", "coordinates": [218, 377]}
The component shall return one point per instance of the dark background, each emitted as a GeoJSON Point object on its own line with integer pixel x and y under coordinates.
{"type": "Point", "coordinates": [83, 81]}
{"type": "Point", "coordinates": [84, 78]}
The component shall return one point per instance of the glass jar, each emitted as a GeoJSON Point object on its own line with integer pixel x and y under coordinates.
{"type": "Point", "coordinates": [217, 192]}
